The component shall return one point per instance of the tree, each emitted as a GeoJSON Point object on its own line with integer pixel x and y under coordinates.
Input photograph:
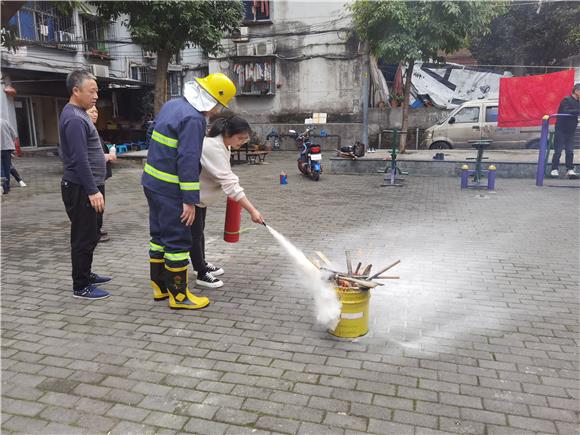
{"type": "Point", "coordinates": [167, 27]}
{"type": "Point", "coordinates": [406, 31]}
{"type": "Point", "coordinates": [526, 35]}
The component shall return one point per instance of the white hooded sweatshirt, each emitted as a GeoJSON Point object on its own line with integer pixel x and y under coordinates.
{"type": "Point", "coordinates": [216, 174]}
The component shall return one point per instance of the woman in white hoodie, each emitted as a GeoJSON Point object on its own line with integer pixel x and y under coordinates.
{"type": "Point", "coordinates": [225, 134]}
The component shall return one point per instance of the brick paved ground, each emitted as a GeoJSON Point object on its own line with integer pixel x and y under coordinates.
{"type": "Point", "coordinates": [479, 336]}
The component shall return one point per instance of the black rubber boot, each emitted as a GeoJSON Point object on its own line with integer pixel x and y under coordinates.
{"type": "Point", "coordinates": [157, 271]}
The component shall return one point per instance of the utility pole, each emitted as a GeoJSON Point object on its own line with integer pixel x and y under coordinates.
{"type": "Point", "coordinates": [365, 97]}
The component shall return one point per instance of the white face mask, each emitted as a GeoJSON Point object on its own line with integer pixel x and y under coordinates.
{"type": "Point", "coordinates": [198, 97]}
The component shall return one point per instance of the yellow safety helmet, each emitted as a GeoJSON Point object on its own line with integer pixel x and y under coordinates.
{"type": "Point", "coordinates": [219, 86]}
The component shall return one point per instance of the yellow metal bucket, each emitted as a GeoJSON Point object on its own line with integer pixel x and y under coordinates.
{"type": "Point", "coordinates": [354, 316]}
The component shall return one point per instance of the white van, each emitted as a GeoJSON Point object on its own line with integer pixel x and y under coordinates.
{"type": "Point", "coordinates": [477, 119]}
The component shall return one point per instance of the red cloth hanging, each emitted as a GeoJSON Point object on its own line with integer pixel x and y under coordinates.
{"type": "Point", "coordinates": [523, 101]}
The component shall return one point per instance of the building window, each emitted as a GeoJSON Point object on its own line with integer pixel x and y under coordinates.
{"type": "Point", "coordinates": [142, 73]}
{"type": "Point", "coordinates": [254, 77]}
{"type": "Point", "coordinates": [95, 32]}
{"type": "Point", "coordinates": [256, 10]}
{"type": "Point", "coordinates": [174, 84]}
{"type": "Point", "coordinates": [39, 21]}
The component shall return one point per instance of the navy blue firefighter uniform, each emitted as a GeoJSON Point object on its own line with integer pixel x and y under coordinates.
{"type": "Point", "coordinates": [171, 179]}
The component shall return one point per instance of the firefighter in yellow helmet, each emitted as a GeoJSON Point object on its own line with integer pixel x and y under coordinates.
{"type": "Point", "coordinates": [171, 184]}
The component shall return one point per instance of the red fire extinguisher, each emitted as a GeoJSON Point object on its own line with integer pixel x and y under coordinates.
{"type": "Point", "coordinates": [233, 221]}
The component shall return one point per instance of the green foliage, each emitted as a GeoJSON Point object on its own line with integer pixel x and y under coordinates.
{"type": "Point", "coordinates": [174, 25]}
{"type": "Point", "coordinates": [419, 30]}
{"type": "Point", "coordinates": [523, 35]}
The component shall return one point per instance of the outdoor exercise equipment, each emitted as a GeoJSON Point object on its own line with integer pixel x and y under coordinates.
{"type": "Point", "coordinates": [478, 173]}
{"type": "Point", "coordinates": [392, 170]}
{"type": "Point", "coordinates": [544, 151]}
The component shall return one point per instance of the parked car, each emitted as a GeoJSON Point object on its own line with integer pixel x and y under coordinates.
{"type": "Point", "coordinates": [477, 119]}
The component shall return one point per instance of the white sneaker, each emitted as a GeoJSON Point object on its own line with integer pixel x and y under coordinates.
{"type": "Point", "coordinates": [214, 270]}
{"type": "Point", "coordinates": [208, 280]}
{"type": "Point", "coordinates": [571, 173]}
{"type": "Point", "coordinates": [555, 173]}
{"type": "Point", "coordinates": [22, 183]}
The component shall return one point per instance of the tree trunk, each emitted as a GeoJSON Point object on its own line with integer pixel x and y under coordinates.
{"type": "Point", "coordinates": [160, 98]}
{"type": "Point", "coordinates": [406, 93]}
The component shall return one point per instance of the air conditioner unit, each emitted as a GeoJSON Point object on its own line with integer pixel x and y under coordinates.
{"type": "Point", "coordinates": [65, 36]}
{"type": "Point", "coordinates": [241, 35]}
{"type": "Point", "coordinates": [149, 54]}
{"type": "Point", "coordinates": [100, 70]}
{"type": "Point", "coordinates": [264, 48]}
{"type": "Point", "coordinates": [245, 49]}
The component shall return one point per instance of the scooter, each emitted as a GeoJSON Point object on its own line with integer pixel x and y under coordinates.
{"type": "Point", "coordinates": [309, 161]}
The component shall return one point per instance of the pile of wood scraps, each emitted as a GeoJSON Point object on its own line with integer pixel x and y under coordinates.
{"type": "Point", "coordinates": [360, 277]}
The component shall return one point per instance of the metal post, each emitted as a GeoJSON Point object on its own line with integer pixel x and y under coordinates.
{"type": "Point", "coordinates": [542, 151]}
{"type": "Point", "coordinates": [365, 98]}
{"type": "Point", "coordinates": [417, 138]}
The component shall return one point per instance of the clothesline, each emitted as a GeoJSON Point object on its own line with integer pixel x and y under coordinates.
{"type": "Point", "coordinates": [253, 72]}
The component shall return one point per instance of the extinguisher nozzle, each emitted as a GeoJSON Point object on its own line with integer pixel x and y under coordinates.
{"type": "Point", "coordinates": [264, 223]}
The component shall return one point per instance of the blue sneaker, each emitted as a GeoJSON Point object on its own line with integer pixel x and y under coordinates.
{"type": "Point", "coordinates": [97, 279]}
{"type": "Point", "coordinates": [91, 292]}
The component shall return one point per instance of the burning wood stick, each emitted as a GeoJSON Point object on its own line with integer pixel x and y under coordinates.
{"type": "Point", "coordinates": [348, 263]}
{"type": "Point", "coordinates": [385, 269]}
{"type": "Point", "coordinates": [323, 257]}
{"type": "Point", "coordinates": [357, 268]}
{"type": "Point", "coordinates": [314, 262]}
{"type": "Point", "coordinates": [361, 282]}
{"type": "Point", "coordinates": [367, 270]}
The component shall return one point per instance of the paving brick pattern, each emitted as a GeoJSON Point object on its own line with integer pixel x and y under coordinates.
{"type": "Point", "coordinates": [479, 336]}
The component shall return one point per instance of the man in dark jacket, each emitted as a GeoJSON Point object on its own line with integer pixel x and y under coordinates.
{"type": "Point", "coordinates": [565, 129]}
{"type": "Point", "coordinates": [82, 181]}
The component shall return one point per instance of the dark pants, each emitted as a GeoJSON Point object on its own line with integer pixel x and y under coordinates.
{"type": "Point", "coordinates": [170, 238]}
{"type": "Point", "coordinates": [563, 141]}
{"type": "Point", "coordinates": [83, 231]}
{"type": "Point", "coordinates": [6, 157]}
{"type": "Point", "coordinates": [15, 174]}
{"type": "Point", "coordinates": [100, 215]}
{"type": "Point", "coordinates": [197, 252]}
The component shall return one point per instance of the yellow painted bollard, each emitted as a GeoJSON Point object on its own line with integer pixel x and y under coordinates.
{"type": "Point", "coordinates": [354, 316]}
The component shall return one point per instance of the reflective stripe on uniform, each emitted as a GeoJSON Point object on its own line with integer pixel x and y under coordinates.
{"type": "Point", "coordinates": [160, 175]}
{"type": "Point", "coordinates": [162, 139]}
{"type": "Point", "coordinates": [156, 248]}
{"type": "Point", "coordinates": [188, 186]}
{"type": "Point", "coordinates": [178, 256]}
{"type": "Point", "coordinates": [176, 269]}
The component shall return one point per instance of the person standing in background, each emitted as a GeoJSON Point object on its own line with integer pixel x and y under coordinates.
{"type": "Point", "coordinates": [8, 146]}
{"type": "Point", "coordinates": [564, 136]}
{"type": "Point", "coordinates": [82, 181]}
{"type": "Point", "coordinates": [110, 156]}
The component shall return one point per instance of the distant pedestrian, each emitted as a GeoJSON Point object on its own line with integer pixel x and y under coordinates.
{"type": "Point", "coordinates": [83, 179]}
{"type": "Point", "coordinates": [8, 146]}
{"type": "Point", "coordinates": [93, 113]}
{"type": "Point", "coordinates": [564, 136]}
{"type": "Point", "coordinates": [216, 176]}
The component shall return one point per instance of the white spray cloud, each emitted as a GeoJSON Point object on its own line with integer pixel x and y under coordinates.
{"type": "Point", "coordinates": [326, 302]}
